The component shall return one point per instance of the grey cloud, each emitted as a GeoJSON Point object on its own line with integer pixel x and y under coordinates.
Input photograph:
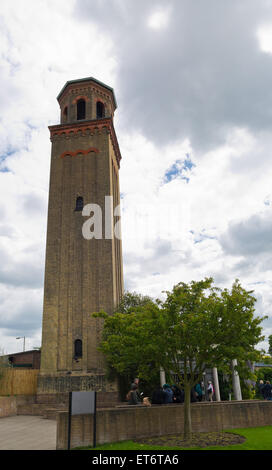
{"type": "Point", "coordinates": [27, 273]}
{"type": "Point", "coordinates": [197, 78]}
{"type": "Point", "coordinates": [26, 321]}
{"type": "Point", "coordinates": [22, 274]}
{"type": "Point", "coordinates": [34, 203]}
{"type": "Point", "coordinates": [162, 259]}
{"type": "Point", "coordinates": [250, 237]}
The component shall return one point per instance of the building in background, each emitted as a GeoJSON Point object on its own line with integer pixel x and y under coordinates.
{"type": "Point", "coordinates": [26, 359]}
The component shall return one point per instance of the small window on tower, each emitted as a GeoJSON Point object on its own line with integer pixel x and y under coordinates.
{"type": "Point", "coordinates": [79, 203]}
{"type": "Point", "coordinates": [81, 109]}
{"type": "Point", "coordinates": [78, 348]}
{"type": "Point", "coordinates": [65, 114]}
{"type": "Point", "coordinates": [100, 110]}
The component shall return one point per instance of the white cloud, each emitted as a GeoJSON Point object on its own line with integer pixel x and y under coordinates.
{"type": "Point", "coordinates": [159, 19]}
{"type": "Point", "coordinates": [264, 35]}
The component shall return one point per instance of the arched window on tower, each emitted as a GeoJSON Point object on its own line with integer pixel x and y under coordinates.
{"type": "Point", "coordinates": [65, 114]}
{"type": "Point", "coordinates": [100, 110]}
{"type": "Point", "coordinates": [79, 203]}
{"type": "Point", "coordinates": [78, 348]}
{"type": "Point", "coordinates": [81, 109]}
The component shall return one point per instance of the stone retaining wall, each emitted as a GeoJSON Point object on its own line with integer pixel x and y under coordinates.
{"type": "Point", "coordinates": [132, 422]}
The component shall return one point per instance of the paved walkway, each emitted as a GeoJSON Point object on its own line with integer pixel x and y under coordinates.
{"type": "Point", "coordinates": [27, 433]}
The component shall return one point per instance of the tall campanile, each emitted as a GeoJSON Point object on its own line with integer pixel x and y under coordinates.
{"type": "Point", "coordinates": [82, 275]}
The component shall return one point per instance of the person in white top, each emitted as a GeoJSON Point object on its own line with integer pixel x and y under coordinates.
{"type": "Point", "coordinates": [210, 391]}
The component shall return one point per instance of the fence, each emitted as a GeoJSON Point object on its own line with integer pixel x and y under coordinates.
{"type": "Point", "coordinates": [18, 381]}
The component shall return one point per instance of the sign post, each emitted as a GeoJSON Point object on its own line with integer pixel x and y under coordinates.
{"type": "Point", "coordinates": [94, 422]}
{"type": "Point", "coordinates": [81, 403]}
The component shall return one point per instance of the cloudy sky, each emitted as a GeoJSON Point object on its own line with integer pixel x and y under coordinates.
{"type": "Point", "coordinates": [193, 82]}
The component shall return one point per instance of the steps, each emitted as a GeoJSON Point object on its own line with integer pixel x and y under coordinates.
{"type": "Point", "coordinates": [47, 406]}
{"type": "Point", "coordinates": [47, 411]}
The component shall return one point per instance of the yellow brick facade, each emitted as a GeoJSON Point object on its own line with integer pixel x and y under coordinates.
{"type": "Point", "coordinates": [81, 276]}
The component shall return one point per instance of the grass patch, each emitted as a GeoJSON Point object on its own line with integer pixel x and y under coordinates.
{"type": "Point", "coordinates": [256, 439]}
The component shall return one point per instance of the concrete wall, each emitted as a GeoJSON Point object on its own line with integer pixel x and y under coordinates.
{"type": "Point", "coordinates": [120, 424]}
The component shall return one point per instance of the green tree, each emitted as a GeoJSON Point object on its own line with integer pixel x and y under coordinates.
{"type": "Point", "coordinates": [266, 359]}
{"type": "Point", "coordinates": [270, 345]}
{"type": "Point", "coordinates": [196, 327]}
{"type": "Point", "coordinates": [264, 373]}
{"type": "Point", "coordinates": [131, 301]}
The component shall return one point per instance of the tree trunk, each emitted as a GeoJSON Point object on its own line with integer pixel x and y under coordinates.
{"type": "Point", "coordinates": [187, 412]}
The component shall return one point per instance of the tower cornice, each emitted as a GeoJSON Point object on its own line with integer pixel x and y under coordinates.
{"type": "Point", "coordinates": [91, 126]}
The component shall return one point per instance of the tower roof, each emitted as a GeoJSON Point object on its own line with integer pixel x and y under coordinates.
{"type": "Point", "coordinates": [88, 79]}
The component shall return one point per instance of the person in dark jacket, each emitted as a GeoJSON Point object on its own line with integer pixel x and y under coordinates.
{"type": "Point", "coordinates": [168, 397]}
{"type": "Point", "coordinates": [133, 397]}
{"type": "Point", "coordinates": [267, 391]}
{"type": "Point", "coordinates": [158, 396]}
{"type": "Point", "coordinates": [177, 395]}
{"type": "Point", "coordinates": [261, 388]}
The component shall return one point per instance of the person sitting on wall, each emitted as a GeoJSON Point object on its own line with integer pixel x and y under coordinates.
{"type": "Point", "coordinates": [158, 396]}
{"type": "Point", "coordinates": [168, 397]}
{"type": "Point", "coordinates": [177, 394]}
{"type": "Point", "coordinates": [132, 396]}
{"type": "Point", "coordinates": [136, 381]}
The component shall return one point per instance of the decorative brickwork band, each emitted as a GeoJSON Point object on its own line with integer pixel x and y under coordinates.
{"type": "Point", "coordinates": [77, 152]}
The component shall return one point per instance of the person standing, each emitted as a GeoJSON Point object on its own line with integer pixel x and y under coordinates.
{"type": "Point", "coordinates": [210, 391]}
{"type": "Point", "coordinates": [261, 388]}
{"type": "Point", "coordinates": [198, 391]}
{"type": "Point", "coordinates": [267, 391]}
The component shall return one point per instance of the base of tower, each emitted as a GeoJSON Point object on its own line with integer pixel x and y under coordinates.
{"type": "Point", "coordinates": [54, 389]}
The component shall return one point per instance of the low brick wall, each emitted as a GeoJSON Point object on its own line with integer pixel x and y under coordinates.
{"type": "Point", "coordinates": [10, 406]}
{"type": "Point", "coordinates": [132, 422]}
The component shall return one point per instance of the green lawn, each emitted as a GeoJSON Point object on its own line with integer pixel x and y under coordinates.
{"type": "Point", "coordinates": [256, 439]}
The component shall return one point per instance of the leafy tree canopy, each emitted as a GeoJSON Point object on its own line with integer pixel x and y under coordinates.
{"type": "Point", "coordinates": [270, 345]}
{"type": "Point", "coordinates": [197, 326]}
{"type": "Point", "coordinates": [131, 301]}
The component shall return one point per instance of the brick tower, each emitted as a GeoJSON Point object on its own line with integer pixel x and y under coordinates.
{"type": "Point", "coordinates": [82, 275]}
